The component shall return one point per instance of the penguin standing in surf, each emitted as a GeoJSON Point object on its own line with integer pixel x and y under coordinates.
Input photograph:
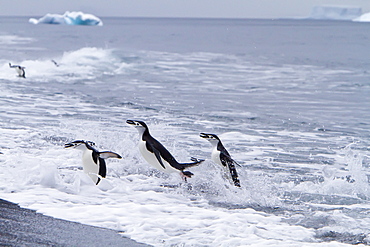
{"type": "Point", "coordinates": [222, 157]}
{"type": "Point", "coordinates": [157, 155]}
{"type": "Point", "coordinates": [20, 70]}
{"type": "Point", "coordinates": [92, 160]}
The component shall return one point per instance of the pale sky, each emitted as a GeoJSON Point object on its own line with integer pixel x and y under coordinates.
{"type": "Point", "coordinates": [174, 8]}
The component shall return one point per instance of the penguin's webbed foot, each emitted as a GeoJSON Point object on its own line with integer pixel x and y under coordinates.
{"type": "Point", "coordinates": [185, 175]}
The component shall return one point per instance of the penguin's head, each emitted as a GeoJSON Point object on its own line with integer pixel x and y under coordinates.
{"type": "Point", "coordinates": [139, 125]}
{"type": "Point", "coordinates": [212, 138]}
{"type": "Point", "coordinates": [80, 144]}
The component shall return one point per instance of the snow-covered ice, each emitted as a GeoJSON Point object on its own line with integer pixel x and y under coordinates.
{"type": "Point", "coordinates": [69, 18]}
{"type": "Point", "coordinates": [363, 18]}
{"type": "Point", "coordinates": [334, 12]}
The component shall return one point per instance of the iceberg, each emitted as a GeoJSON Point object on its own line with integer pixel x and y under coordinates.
{"type": "Point", "coordinates": [69, 18]}
{"type": "Point", "coordinates": [328, 12]}
{"type": "Point", "coordinates": [363, 18]}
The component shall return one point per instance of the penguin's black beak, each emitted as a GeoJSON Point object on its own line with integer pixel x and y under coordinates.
{"type": "Point", "coordinates": [204, 135]}
{"type": "Point", "coordinates": [131, 122]}
{"type": "Point", "coordinates": [68, 145]}
{"type": "Point", "coordinates": [77, 143]}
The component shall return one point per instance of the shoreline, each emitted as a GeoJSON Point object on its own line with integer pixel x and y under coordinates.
{"type": "Point", "coordinates": [25, 227]}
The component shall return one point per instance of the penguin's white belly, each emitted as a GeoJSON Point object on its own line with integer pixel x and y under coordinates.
{"type": "Point", "coordinates": [215, 156]}
{"type": "Point", "coordinates": [19, 71]}
{"type": "Point", "coordinates": [89, 166]}
{"type": "Point", "coordinates": [153, 161]}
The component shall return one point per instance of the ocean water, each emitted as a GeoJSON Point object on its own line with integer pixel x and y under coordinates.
{"type": "Point", "coordinates": [290, 100]}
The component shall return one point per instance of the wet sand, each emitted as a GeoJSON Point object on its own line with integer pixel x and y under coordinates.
{"type": "Point", "coordinates": [25, 227]}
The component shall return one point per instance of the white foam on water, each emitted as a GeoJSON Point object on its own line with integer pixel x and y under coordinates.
{"type": "Point", "coordinates": [143, 204]}
{"type": "Point", "coordinates": [6, 39]}
{"type": "Point", "coordinates": [87, 63]}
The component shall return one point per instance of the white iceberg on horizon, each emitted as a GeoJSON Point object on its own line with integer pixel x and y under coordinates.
{"type": "Point", "coordinates": [363, 18]}
{"type": "Point", "coordinates": [69, 18]}
{"type": "Point", "coordinates": [328, 12]}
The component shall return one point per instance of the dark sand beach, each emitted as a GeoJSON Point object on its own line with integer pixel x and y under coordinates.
{"type": "Point", "coordinates": [25, 227]}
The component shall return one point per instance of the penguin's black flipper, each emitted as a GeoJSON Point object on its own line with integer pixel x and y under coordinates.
{"type": "Point", "coordinates": [102, 168]}
{"type": "Point", "coordinates": [158, 156]}
{"type": "Point", "coordinates": [151, 148]}
{"type": "Point", "coordinates": [109, 154]}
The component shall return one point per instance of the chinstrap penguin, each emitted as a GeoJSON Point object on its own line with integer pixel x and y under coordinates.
{"type": "Point", "coordinates": [222, 157]}
{"type": "Point", "coordinates": [157, 155]}
{"type": "Point", "coordinates": [93, 160]}
{"type": "Point", "coordinates": [55, 63]}
{"type": "Point", "coordinates": [20, 70]}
